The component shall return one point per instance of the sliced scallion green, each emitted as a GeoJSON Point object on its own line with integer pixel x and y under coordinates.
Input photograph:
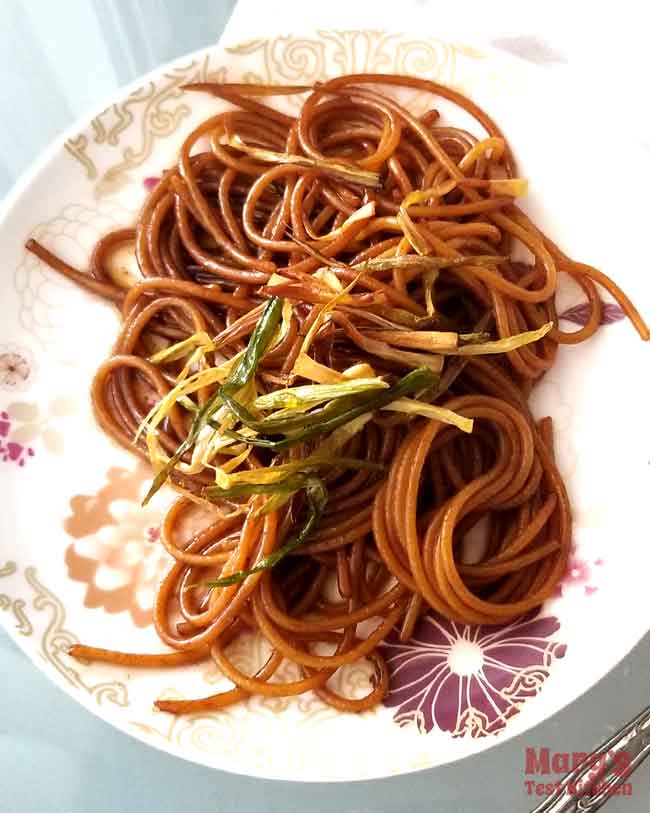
{"type": "Point", "coordinates": [316, 495]}
{"type": "Point", "coordinates": [238, 377]}
{"type": "Point", "coordinates": [420, 379]}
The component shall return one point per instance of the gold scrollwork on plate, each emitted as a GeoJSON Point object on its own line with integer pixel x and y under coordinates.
{"type": "Point", "coordinates": [55, 639]}
{"type": "Point", "coordinates": [8, 569]}
{"type": "Point", "coordinates": [120, 139]}
{"type": "Point", "coordinates": [77, 148]}
{"type": "Point", "coordinates": [229, 732]}
{"type": "Point", "coordinates": [131, 128]}
{"type": "Point", "coordinates": [17, 605]}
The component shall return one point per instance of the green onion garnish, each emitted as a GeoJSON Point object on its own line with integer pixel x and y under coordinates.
{"type": "Point", "coordinates": [238, 378]}
{"type": "Point", "coordinates": [337, 414]}
{"type": "Point", "coordinates": [316, 495]}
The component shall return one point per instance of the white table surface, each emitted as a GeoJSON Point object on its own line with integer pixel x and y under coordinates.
{"type": "Point", "coordinates": [57, 60]}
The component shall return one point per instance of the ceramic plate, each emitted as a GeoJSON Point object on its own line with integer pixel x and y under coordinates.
{"type": "Point", "coordinates": [79, 558]}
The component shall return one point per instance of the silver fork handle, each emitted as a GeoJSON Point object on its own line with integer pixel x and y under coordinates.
{"type": "Point", "coordinates": [586, 788]}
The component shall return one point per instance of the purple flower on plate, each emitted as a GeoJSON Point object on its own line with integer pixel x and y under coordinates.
{"type": "Point", "coordinates": [468, 679]}
{"type": "Point", "coordinates": [579, 314]}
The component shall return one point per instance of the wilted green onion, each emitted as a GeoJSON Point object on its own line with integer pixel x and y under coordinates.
{"type": "Point", "coordinates": [183, 348]}
{"type": "Point", "coordinates": [238, 378]}
{"type": "Point", "coordinates": [201, 419]}
{"type": "Point", "coordinates": [316, 393]}
{"type": "Point", "coordinates": [501, 345]}
{"type": "Point", "coordinates": [420, 379]}
{"type": "Point", "coordinates": [410, 406]}
{"type": "Point", "coordinates": [316, 495]}
{"type": "Point", "coordinates": [426, 262]}
{"type": "Point", "coordinates": [344, 171]}
{"type": "Point", "coordinates": [257, 344]}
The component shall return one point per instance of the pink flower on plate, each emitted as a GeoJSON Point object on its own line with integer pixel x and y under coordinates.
{"type": "Point", "coordinates": [11, 451]}
{"type": "Point", "coordinates": [14, 370]}
{"type": "Point", "coordinates": [578, 571]}
{"type": "Point", "coordinates": [579, 574]}
{"type": "Point", "coordinates": [5, 424]}
{"type": "Point", "coordinates": [466, 679]}
{"type": "Point", "coordinates": [121, 563]}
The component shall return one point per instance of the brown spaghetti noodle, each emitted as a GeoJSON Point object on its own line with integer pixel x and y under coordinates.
{"type": "Point", "coordinates": [262, 204]}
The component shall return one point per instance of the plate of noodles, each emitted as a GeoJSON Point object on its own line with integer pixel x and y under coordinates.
{"type": "Point", "coordinates": [322, 413]}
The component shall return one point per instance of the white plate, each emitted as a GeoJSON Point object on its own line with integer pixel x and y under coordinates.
{"type": "Point", "coordinates": [81, 557]}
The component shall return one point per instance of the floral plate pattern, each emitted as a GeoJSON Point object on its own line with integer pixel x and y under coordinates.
{"type": "Point", "coordinates": [86, 563]}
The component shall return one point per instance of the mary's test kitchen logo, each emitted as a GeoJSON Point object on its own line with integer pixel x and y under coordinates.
{"type": "Point", "coordinates": [545, 770]}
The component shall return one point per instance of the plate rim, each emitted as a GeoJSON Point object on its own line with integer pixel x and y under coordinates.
{"type": "Point", "coordinates": [21, 185]}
